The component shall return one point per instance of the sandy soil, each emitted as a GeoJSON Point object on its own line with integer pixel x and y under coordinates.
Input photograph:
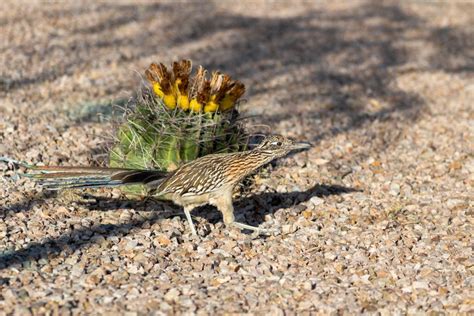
{"type": "Point", "coordinates": [377, 216]}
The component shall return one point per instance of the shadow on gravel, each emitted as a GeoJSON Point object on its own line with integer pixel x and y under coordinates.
{"type": "Point", "coordinates": [252, 209]}
{"type": "Point", "coordinates": [317, 68]}
{"type": "Point", "coordinates": [80, 238]}
{"type": "Point", "coordinates": [27, 203]}
{"type": "Point", "coordinates": [335, 62]}
{"type": "Point", "coordinates": [71, 241]}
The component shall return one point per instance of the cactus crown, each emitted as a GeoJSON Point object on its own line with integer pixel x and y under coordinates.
{"type": "Point", "coordinates": [198, 93]}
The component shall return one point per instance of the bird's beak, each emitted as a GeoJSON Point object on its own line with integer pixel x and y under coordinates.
{"type": "Point", "coordinates": [301, 145]}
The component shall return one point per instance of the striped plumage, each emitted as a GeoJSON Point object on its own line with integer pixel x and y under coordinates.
{"type": "Point", "coordinates": [206, 180]}
{"type": "Point", "coordinates": [211, 172]}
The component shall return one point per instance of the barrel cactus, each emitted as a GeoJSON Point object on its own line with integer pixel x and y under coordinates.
{"type": "Point", "coordinates": [177, 117]}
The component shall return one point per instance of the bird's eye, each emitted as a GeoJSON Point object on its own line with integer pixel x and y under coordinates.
{"type": "Point", "coordinates": [277, 143]}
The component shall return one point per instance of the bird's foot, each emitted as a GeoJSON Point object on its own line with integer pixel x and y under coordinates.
{"type": "Point", "coordinates": [257, 230]}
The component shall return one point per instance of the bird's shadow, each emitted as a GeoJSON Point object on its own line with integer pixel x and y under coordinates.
{"type": "Point", "coordinates": [252, 208]}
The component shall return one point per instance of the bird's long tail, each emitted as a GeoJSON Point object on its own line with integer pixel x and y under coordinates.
{"type": "Point", "coordinates": [61, 177]}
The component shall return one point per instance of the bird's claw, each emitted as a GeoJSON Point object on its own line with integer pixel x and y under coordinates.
{"type": "Point", "coordinates": [256, 230]}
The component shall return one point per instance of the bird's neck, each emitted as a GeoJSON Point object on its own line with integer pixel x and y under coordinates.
{"type": "Point", "coordinates": [247, 162]}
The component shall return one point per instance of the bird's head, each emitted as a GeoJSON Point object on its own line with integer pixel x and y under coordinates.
{"type": "Point", "coordinates": [279, 146]}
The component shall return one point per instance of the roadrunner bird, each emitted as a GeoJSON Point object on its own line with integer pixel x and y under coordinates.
{"type": "Point", "coordinates": [207, 180]}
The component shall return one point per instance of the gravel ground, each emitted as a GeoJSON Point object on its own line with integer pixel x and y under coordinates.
{"type": "Point", "coordinates": [377, 216]}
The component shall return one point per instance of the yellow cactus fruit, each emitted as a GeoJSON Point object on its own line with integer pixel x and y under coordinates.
{"type": "Point", "coordinates": [211, 106]}
{"type": "Point", "coordinates": [195, 106]}
{"type": "Point", "coordinates": [227, 103]}
{"type": "Point", "coordinates": [170, 101]}
{"type": "Point", "coordinates": [157, 90]}
{"type": "Point", "coordinates": [183, 102]}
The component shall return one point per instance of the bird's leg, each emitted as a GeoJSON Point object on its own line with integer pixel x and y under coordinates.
{"type": "Point", "coordinates": [227, 210]}
{"type": "Point", "coordinates": [224, 204]}
{"type": "Point", "coordinates": [187, 212]}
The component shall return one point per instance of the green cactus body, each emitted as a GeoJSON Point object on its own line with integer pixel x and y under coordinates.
{"type": "Point", "coordinates": [190, 145]}
{"type": "Point", "coordinates": [166, 152]}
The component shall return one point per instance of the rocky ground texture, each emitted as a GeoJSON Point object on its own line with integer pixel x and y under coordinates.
{"type": "Point", "coordinates": [377, 216]}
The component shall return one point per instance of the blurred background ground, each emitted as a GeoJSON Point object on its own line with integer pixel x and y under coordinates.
{"type": "Point", "coordinates": [377, 216]}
